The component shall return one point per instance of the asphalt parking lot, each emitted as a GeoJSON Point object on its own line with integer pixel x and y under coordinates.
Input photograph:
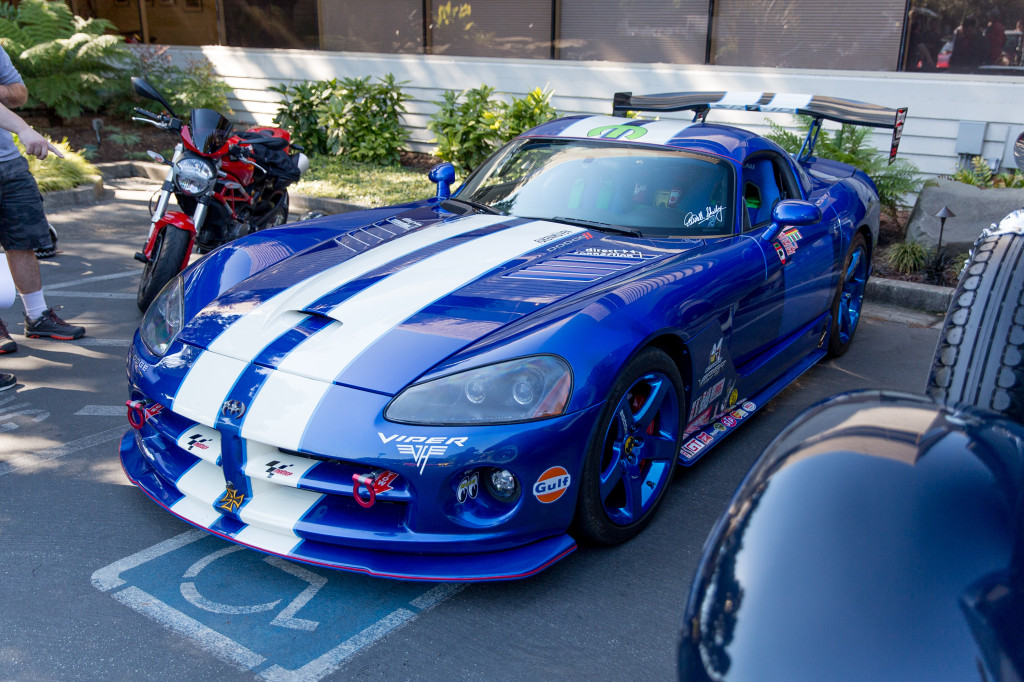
{"type": "Point", "coordinates": [102, 584]}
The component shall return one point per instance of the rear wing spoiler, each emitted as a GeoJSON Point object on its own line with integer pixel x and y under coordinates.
{"type": "Point", "coordinates": [819, 108]}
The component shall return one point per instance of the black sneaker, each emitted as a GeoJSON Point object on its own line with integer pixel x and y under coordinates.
{"type": "Point", "coordinates": [7, 344]}
{"type": "Point", "coordinates": [7, 381]}
{"type": "Point", "coordinates": [50, 325]}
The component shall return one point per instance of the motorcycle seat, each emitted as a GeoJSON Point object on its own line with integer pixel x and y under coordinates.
{"type": "Point", "coordinates": [265, 141]}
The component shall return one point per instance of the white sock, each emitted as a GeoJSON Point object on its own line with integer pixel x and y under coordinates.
{"type": "Point", "coordinates": [35, 305]}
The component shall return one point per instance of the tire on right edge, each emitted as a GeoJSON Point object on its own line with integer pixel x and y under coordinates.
{"type": "Point", "coordinates": [979, 359]}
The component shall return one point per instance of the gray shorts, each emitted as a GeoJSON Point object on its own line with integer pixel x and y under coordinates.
{"type": "Point", "coordinates": [23, 225]}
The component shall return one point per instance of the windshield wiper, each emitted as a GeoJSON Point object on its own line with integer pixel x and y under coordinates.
{"type": "Point", "coordinates": [482, 208]}
{"type": "Point", "coordinates": [604, 227]}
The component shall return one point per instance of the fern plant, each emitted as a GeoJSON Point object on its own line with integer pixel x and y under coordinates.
{"type": "Point", "coordinates": [979, 174]}
{"type": "Point", "coordinates": [68, 63]}
{"type": "Point", "coordinates": [849, 145]}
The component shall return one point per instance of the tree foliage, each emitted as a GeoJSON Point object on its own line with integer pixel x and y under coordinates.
{"type": "Point", "coordinates": [69, 64]}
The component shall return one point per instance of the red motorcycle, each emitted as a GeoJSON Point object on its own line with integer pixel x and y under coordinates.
{"type": "Point", "coordinates": [226, 184]}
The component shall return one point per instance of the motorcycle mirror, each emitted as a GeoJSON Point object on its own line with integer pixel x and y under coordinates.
{"type": "Point", "coordinates": [1018, 151]}
{"type": "Point", "coordinates": [443, 175]}
{"type": "Point", "coordinates": [144, 89]}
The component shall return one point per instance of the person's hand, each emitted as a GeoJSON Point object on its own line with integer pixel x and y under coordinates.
{"type": "Point", "coordinates": [36, 144]}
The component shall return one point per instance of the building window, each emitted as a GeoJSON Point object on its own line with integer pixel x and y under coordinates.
{"type": "Point", "coordinates": [491, 28]}
{"type": "Point", "coordinates": [266, 23]}
{"type": "Point", "coordinates": [850, 34]}
{"type": "Point", "coordinates": [389, 26]}
{"type": "Point", "coordinates": [670, 31]}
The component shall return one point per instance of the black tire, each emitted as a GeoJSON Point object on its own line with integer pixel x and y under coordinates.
{"type": "Point", "coordinates": [278, 216]}
{"type": "Point", "coordinates": [599, 518]}
{"type": "Point", "coordinates": [168, 255]}
{"type": "Point", "coordinates": [979, 359]}
{"type": "Point", "coordinates": [849, 297]}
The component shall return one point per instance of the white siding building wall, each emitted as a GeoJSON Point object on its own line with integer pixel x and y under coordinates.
{"type": "Point", "coordinates": [937, 103]}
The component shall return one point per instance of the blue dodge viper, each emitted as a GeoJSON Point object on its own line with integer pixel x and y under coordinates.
{"type": "Point", "coordinates": [460, 388]}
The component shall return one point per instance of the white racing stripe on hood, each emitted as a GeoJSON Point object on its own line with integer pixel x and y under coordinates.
{"type": "Point", "coordinates": [211, 377]}
{"type": "Point", "coordinates": [286, 402]}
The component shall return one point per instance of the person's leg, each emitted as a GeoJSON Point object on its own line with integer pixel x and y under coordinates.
{"type": "Point", "coordinates": [23, 228]}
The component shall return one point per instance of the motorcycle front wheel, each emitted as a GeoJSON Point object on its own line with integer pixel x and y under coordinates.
{"type": "Point", "coordinates": [168, 255]}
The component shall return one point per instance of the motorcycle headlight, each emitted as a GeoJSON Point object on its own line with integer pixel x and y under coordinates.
{"type": "Point", "coordinates": [163, 319]}
{"type": "Point", "coordinates": [194, 176]}
{"type": "Point", "coordinates": [519, 390]}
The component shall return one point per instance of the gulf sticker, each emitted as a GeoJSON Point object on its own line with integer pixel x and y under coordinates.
{"type": "Point", "coordinates": [749, 406]}
{"type": "Point", "coordinates": [551, 485]}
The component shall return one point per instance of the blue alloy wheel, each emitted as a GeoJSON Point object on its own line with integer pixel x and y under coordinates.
{"type": "Point", "coordinates": [849, 297]}
{"type": "Point", "coordinates": [633, 450]}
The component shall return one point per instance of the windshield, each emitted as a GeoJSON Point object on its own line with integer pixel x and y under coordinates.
{"type": "Point", "coordinates": [655, 192]}
{"type": "Point", "coordinates": [209, 130]}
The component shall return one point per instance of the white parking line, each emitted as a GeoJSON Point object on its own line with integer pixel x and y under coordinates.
{"type": "Point", "coordinates": [90, 294]}
{"type": "Point", "coordinates": [86, 280]}
{"type": "Point", "coordinates": [102, 411]}
{"type": "Point", "coordinates": [113, 343]}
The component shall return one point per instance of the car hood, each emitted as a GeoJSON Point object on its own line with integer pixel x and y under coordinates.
{"type": "Point", "coordinates": [378, 306]}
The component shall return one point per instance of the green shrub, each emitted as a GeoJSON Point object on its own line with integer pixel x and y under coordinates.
{"type": "Point", "coordinates": [363, 119]}
{"type": "Point", "coordinates": [849, 145]}
{"type": "Point", "coordinates": [300, 112]}
{"type": "Point", "coordinates": [908, 257]}
{"type": "Point", "coordinates": [69, 64]}
{"type": "Point", "coordinates": [55, 173]}
{"type": "Point", "coordinates": [521, 114]}
{"type": "Point", "coordinates": [469, 125]}
{"type": "Point", "coordinates": [461, 127]}
{"type": "Point", "coordinates": [979, 174]}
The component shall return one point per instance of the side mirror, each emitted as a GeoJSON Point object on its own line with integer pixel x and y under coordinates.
{"type": "Point", "coordinates": [1018, 151]}
{"type": "Point", "coordinates": [791, 213]}
{"type": "Point", "coordinates": [144, 89]}
{"type": "Point", "coordinates": [443, 175]}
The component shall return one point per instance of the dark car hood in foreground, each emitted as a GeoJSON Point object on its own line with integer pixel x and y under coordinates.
{"type": "Point", "coordinates": [379, 306]}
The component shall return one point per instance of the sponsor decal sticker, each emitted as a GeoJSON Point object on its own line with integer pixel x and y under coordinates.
{"type": "Point", "coordinates": [551, 485]}
{"type": "Point", "coordinates": [705, 438]}
{"type": "Point", "coordinates": [276, 467]}
{"type": "Point", "coordinates": [468, 487]}
{"type": "Point", "coordinates": [728, 421]}
{"type": "Point", "coordinates": [578, 238]}
{"type": "Point", "coordinates": [715, 364]}
{"type": "Point", "coordinates": [711, 216]}
{"type": "Point", "coordinates": [734, 395]}
{"type": "Point", "coordinates": [780, 251]}
{"type": "Point", "coordinates": [739, 413]}
{"type": "Point", "coordinates": [692, 447]}
{"type": "Point", "coordinates": [706, 399]}
{"type": "Point", "coordinates": [405, 223]}
{"type": "Point", "coordinates": [422, 448]}
{"type": "Point", "coordinates": [719, 427]}
{"type": "Point", "coordinates": [553, 236]}
{"type": "Point", "coordinates": [618, 132]}
{"type": "Point", "coordinates": [749, 406]}
{"type": "Point", "coordinates": [197, 442]}
{"type": "Point", "coordinates": [611, 253]}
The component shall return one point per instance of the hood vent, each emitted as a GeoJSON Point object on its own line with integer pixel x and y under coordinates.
{"type": "Point", "coordinates": [580, 267]}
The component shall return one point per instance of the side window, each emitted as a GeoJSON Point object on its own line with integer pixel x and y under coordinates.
{"type": "Point", "coordinates": [767, 180]}
{"type": "Point", "coordinates": [760, 190]}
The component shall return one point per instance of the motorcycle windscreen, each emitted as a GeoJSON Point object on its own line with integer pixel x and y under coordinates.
{"type": "Point", "coordinates": [209, 130]}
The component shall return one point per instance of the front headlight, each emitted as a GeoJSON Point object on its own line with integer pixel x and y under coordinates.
{"type": "Point", "coordinates": [194, 176]}
{"type": "Point", "coordinates": [163, 319]}
{"type": "Point", "coordinates": [514, 391]}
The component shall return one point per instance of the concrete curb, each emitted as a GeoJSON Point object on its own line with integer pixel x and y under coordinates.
{"type": "Point", "coordinates": [886, 292]}
{"type": "Point", "coordinates": [83, 195]}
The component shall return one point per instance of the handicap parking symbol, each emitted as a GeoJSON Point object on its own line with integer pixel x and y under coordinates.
{"type": "Point", "coordinates": [277, 618]}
